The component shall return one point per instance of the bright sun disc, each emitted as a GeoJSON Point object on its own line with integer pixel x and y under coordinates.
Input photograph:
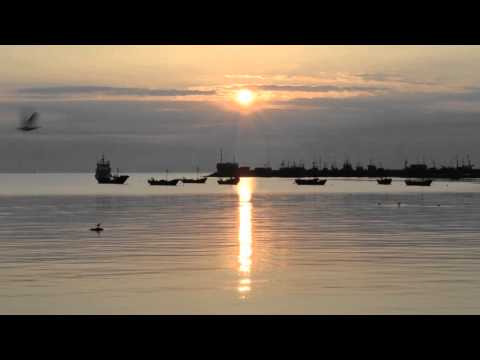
{"type": "Point", "coordinates": [244, 97]}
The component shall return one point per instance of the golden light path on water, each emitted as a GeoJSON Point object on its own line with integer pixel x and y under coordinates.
{"type": "Point", "coordinates": [244, 189]}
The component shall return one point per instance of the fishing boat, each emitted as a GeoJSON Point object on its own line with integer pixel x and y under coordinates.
{"type": "Point", "coordinates": [173, 182]}
{"type": "Point", "coordinates": [384, 181]}
{"type": "Point", "coordinates": [314, 181]}
{"type": "Point", "coordinates": [198, 180]}
{"type": "Point", "coordinates": [231, 181]}
{"type": "Point", "coordinates": [165, 182]}
{"type": "Point", "coordinates": [103, 173]}
{"type": "Point", "coordinates": [194, 181]}
{"type": "Point", "coordinates": [419, 182]}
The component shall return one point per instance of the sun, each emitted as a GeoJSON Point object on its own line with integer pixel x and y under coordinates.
{"type": "Point", "coordinates": [244, 97]}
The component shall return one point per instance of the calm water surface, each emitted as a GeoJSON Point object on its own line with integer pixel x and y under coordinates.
{"type": "Point", "coordinates": [266, 246]}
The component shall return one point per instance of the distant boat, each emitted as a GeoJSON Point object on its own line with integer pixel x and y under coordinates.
{"type": "Point", "coordinates": [173, 182]}
{"type": "Point", "coordinates": [195, 181]}
{"type": "Point", "coordinates": [314, 181]}
{"type": "Point", "coordinates": [421, 182]}
{"type": "Point", "coordinates": [384, 181]}
{"type": "Point", "coordinates": [164, 182]}
{"type": "Point", "coordinates": [231, 181]}
{"type": "Point", "coordinates": [103, 173]}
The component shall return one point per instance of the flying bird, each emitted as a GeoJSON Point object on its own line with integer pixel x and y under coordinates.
{"type": "Point", "coordinates": [29, 122]}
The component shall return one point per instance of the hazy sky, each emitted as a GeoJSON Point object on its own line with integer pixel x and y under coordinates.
{"type": "Point", "coordinates": [149, 108]}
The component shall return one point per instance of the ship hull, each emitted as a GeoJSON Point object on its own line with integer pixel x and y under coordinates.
{"type": "Point", "coordinates": [418, 182]}
{"type": "Point", "coordinates": [384, 181]}
{"type": "Point", "coordinates": [229, 181]}
{"type": "Point", "coordinates": [114, 180]}
{"type": "Point", "coordinates": [310, 182]}
{"type": "Point", "coordinates": [154, 182]}
{"type": "Point", "coordinates": [194, 181]}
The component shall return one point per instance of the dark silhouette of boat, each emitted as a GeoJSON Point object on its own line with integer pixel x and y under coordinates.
{"type": "Point", "coordinates": [419, 182]}
{"type": "Point", "coordinates": [103, 173]}
{"type": "Point", "coordinates": [384, 181]}
{"type": "Point", "coordinates": [165, 182]}
{"type": "Point", "coordinates": [198, 180]}
{"type": "Point", "coordinates": [465, 170]}
{"type": "Point", "coordinates": [173, 182]}
{"type": "Point", "coordinates": [231, 181]}
{"type": "Point", "coordinates": [97, 228]}
{"type": "Point", "coordinates": [314, 181]}
{"type": "Point", "coordinates": [194, 181]}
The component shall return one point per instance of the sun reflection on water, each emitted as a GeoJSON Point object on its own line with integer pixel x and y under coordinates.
{"type": "Point", "coordinates": [244, 189]}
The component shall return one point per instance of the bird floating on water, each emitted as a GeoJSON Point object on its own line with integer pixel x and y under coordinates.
{"type": "Point", "coordinates": [97, 228]}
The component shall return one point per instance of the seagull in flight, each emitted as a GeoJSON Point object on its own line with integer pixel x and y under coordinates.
{"type": "Point", "coordinates": [29, 123]}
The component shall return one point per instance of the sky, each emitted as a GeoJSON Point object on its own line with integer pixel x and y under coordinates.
{"type": "Point", "coordinates": [152, 108]}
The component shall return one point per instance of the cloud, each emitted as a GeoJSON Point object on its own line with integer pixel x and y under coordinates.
{"type": "Point", "coordinates": [244, 76]}
{"type": "Point", "coordinates": [471, 93]}
{"type": "Point", "coordinates": [109, 90]}
{"type": "Point", "coordinates": [394, 78]}
{"type": "Point", "coordinates": [319, 88]}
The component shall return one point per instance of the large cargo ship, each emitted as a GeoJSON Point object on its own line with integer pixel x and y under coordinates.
{"type": "Point", "coordinates": [103, 173]}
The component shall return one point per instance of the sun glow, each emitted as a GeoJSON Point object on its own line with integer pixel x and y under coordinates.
{"type": "Point", "coordinates": [244, 97]}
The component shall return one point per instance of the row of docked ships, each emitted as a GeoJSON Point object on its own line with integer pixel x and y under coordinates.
{"type": "Point", "coordinates": [103, 175]}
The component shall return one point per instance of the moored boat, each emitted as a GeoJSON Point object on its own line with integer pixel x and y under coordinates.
{"type": "Point", "coordinates": [194, 181]}
{"type": "Point", "coordinates": [231, 181]}
{"type": "Point", "coordinates": [164, 182]}
{"type": "Point", "coordinates": [419, 182]}
{"type": "Point", "coordinates": [198, 180]}
{"type": "Point", "coordinates": [103, 173]}
{"type": "Point", "coordinates": [314, 181]}
{"type": "Point", "coordinates": [173, 182]}
{"type": "Point", "coordinates": [115, 179]}
{"type": "Point", "coordinates": [384, 181]}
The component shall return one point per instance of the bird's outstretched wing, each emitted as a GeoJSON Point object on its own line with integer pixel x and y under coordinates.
{"type": "Point", "coordinates": [30, 122]}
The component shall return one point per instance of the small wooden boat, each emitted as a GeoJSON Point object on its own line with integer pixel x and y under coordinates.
{"type": "Point", "coordinates": [97, 228]}
{"type": "Point", "coordinates": [173, 182]}
{"type": "Point", "coordinates": [420, 182]}
{"type": "Point", "coordinates": [165, 182]}
{"type": "Point", "coordinates": [198, 180]}
{"type": "Point", "coordinates": [194, 181]}
{"type": "Point", "coordinates": [384, 181]}
{"type": "Point", "coordinates": [314, 181]}
{"type": "Point", "coordinates": [231, 181]}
